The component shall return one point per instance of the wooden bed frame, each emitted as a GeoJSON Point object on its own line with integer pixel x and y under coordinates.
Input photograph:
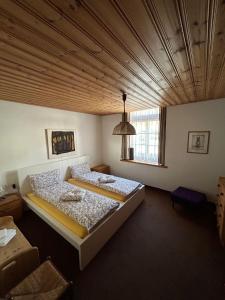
{"type": "Point", "coordinates": [89, 246]}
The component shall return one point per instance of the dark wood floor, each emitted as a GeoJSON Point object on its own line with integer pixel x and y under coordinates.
{"type": "Point", "coordinates": [159, 253]}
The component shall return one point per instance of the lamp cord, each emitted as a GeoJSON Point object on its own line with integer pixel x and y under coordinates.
{"type": "Point", "coordinates": [124, 111]}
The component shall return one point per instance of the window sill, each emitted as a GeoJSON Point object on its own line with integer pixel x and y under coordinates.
{"type": "Point", "coordinates": [143, 163]}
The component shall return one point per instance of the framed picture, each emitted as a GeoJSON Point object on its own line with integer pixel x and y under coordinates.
{"type": "Point", "coordinates": [61, 143]}
{"type": "Point", "coordinates": [198, 142]}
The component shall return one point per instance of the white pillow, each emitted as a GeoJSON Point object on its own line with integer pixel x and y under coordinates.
{"type": "Point", "coordinates": [80, 169]}
{"type": "Point", "coordinates": [44, 179]}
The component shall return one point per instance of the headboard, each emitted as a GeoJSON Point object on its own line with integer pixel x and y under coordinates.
{"type": "Point", "coordinates": [62, 164]}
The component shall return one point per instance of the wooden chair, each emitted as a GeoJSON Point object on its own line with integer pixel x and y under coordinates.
{"type": "Point", "coordinates": [44, 283]}
{"type": "Point", "coordinates": [16, 268]}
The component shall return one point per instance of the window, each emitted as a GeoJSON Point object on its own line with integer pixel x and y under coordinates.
{"type": "Point", "coordinates": [148, 143]}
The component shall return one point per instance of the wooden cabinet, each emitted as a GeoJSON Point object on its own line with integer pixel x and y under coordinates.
{"type": "Point", "coordinates": [11, 205]}
{"type": "Point", "coordinates": [101, 169]}
{"type": "Point", "coordinates": [220, 209]}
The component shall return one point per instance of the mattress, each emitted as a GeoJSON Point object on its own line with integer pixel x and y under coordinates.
{"type": "Point", "coordinates": [120, 186]}
{"type": "Point", "coordinates": [88, 212]}
{"type": "Point", "coordinates": [97, 189]}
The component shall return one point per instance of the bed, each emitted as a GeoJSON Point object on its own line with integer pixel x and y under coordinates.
{"type": "Point", "coordinates": [90, 244]}
{"type": "Point", "coordinates": [79, 210]}
{"type": "Point", "coordinates": [111, 186]}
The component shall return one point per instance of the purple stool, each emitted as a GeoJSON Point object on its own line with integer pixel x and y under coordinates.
{"type": "Point", "coordinates": [183, 195]}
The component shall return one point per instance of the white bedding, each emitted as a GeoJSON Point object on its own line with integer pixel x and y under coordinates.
{"type": "Point", "coordinates": [121, 186]}
{"type": "Point", "coordinates": [88, 212]}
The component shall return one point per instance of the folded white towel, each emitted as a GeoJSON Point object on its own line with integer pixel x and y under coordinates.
{"type": "Point", "coordinates": [3, 233]}
{"type": "Point", "coordinates": [10, 233]}
{"type": "Point", "coordinates": [76, 195]}
{"type": "Point", "coordinates": [106, 179]}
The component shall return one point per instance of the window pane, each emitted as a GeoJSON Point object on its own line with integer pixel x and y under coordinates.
{"type": "Point", "coordinates": [146, 141]}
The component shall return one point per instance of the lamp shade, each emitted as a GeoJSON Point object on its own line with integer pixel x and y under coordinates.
{"type": "Point", "coordinates": [124, 128]}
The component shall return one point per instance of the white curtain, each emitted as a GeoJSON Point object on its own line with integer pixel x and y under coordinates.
{"type": "Point", "coordinates": [146, 141]}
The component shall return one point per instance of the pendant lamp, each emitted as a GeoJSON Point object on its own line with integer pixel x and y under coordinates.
{"type": "Point", "coordinates": [124, 127]}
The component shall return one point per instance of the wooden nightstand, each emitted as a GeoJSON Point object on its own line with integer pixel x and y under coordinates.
{"type": "Point", "coordinates": [11, 205]}
{"type": "Point", "coordinates": [101, 169]}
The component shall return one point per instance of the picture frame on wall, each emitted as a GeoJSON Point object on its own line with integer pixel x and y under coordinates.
{"type": "Point", "coordinates": [61, 143]}
{"type": "Point", "coordinates": [198, 142]}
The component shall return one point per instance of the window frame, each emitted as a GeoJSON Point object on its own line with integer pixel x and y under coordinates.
{"type": "Point", "coordinates": [162, 142]}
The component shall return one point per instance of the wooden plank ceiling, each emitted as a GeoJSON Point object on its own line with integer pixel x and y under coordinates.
{"type": "Point", "coordinates": [78, 55]}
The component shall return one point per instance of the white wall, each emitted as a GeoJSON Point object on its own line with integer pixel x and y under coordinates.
{"type": "Point", "coordinates": [22, 133]}
{"type": "Point", "coordinates": [23, 141]}
{"type": "Point", "coordinates": [197, 171]}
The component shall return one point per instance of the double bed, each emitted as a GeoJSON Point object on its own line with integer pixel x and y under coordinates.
{"type": "Point", "coordinates": [81, 216]}
{"type": "Point", "coordinates": [89, 234]}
